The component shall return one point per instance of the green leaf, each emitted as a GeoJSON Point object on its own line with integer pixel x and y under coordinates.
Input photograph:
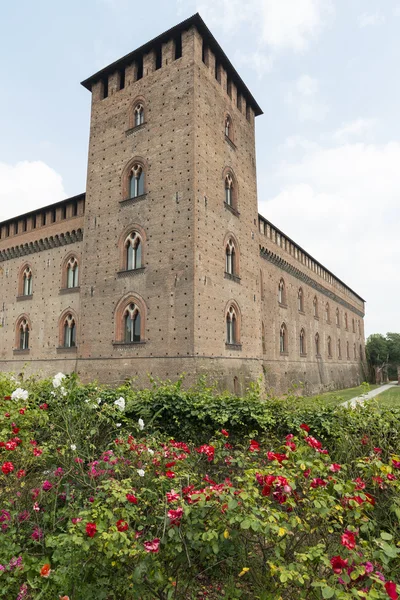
{"type": "Point", "coordinates": [328, 592]}
{"type": "Point", "coordinates": [386, 536]}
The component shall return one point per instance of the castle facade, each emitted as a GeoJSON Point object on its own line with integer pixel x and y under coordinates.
{"type": "Point", "coordinates": [164, 265]}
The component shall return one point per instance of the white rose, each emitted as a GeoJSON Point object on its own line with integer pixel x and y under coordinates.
{"type": "Point", "coordinates": [140, 472]}
{"type": "Point", "coordinates": [58, 379]}
{"type": "Point", "coordinates": [141, 424]}
{"type": "Point", "coordinates": [120, 403]}
{"type": "Point", "coordinates": [73, 447]}
{"type": "Point", "coordinates": [118, 424]}
{"type": "Point", "coordinates": [20, 394]}
{"type": "Point", "coordinates": [150, 451]}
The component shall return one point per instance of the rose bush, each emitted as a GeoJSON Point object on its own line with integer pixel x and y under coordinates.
{"type": "Point", "coordinates": [97, 502]}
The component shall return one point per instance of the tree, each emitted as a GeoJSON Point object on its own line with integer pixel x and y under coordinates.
{"type": "Point", "coordinates": [378, 354]}
{"type": "Point", "coordinates": [393, 343]}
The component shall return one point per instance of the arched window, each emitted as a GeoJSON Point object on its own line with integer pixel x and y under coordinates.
{"type": "Point", "coordinates": [283, 341]}
{"type": "Point", "coordinates": [327, 313]}
{"type": "Point", "coordinates": [133, 251]}
{"type": "Point", "coordinates": [282, 292]}
{"type": "Point", "coordinates": [132, 324]}
{"type": "Point", "coordinates": [24, 335]}
{"type": "Point", "coordinates": [138, 113]}
{"type": "Point", "coordinates": [348, 350]}
{"type": "Point", "coordinates": [337, 318]}
{"type": "Point", "coordinates": [354, 325]}
{"type": "Point", "coordinates": [229, 190]}
{"type": "Point", "coordinates": [355, 351]}
{"type": "Point", "coordinates": [346, 322]}
{"type": "Point", "coordinates": [228, 127]}
{"type": "Point", "coordinates": [72, 273]}
{"type": "Point", "coordinates": [136, 181]}
{"type": "Point", "coordinates": [317, 348]}
{"type": "Point", "coordinates": [329, 344]}
{"type": "Point", "coordinates": [230, 258]}
{"type": "Point", "coordinates": [315, 305]}
{"type": "Point", "coordinates": [263, 337]}
{"type": "Point", "coordinates": [27, 280]}
{"type": "Point", "coordinates": [300, 300]}
{"type": "Point", "coordinates": [231, 326]}
{"type": "Point", "coordinates": [339, 349]}
{"type": "Point", "coordinates": [359, 327]}
{"type": "Point", "coordinates": [302, 342]}
{"type": "Point", "coordinates": [69, 331]}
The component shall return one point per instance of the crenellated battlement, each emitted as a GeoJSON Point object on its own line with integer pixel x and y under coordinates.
{"type": "Point", "coordinates": [307, 262]}
{"type": "Point", "coordinates": [48, 216]}
{"type": "Point", "coordinates": [165, 49]}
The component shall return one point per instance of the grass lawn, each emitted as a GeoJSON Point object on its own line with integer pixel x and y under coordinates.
{"type": "Point", "coordinates": [390, 398]}
{"type": "Point", "coordinates": [339, 396]}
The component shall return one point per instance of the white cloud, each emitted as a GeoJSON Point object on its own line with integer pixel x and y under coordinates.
{"type": "Point", "coordinates": [27, 186]}
{"type": "Point", "coordinates": [278, 25]}
{"type": "Point", "coordinates": [303, 96]}
{"type": "Point", "coordinates": [357, 128]}
{"type": "Point", "coordinates": [367, 20]}
{"type": "Point", "coordinates": [342, 205]}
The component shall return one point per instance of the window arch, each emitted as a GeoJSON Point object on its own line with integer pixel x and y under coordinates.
{"type": "Point", "coordinates": [327, 313]}
{"type": "Point", "coordinates": [138, 114]}
{"type": "Point", "coordinates": [282, 292]}
{"type": "Point", "coordinates": [68, 329]}
{"type": "Point", "coordinates": [228, 126]}
{"type": "Point", "coordinates": [329, 344]}
{"type": "Point", "coordinates": [133, 251]}
{"type": "Point", "coordinates": [231, 191]}
{"type": "Point", "coordinates": [22, 333]}
{"type": "Point", "coordinates": [231, 260]}
{"type": "Point", "coordinates": [317, 348]}
{"type": "Point", "coordinates": [300, 300]}
{"type": "Point", "coordinates": [337, 318]}
{"type": "Point", "coordinates": [134, 179]}
{"type": "Point", "coordinates": [315, 307]}
{"type": "Point", "coordinates": [283, 339]}
{"type": "Point", "coordinates": [302, 340]}
{"type": "Point", "coordinates": [130, 317]}
{"type": "Point", "coordinates": [232, 320]}
{"type": "Point", "coordinates": [25, 287]}
{"type": "Point", "coordinates": [72, 279]}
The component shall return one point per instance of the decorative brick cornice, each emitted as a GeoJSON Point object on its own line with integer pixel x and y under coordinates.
{"type": "Point", "coordinates": [62, 239]}
{"type": "Point", "coordinates": [285, 266]}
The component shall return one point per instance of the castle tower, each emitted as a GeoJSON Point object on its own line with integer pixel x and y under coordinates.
{"type": "Point", "coordinates": [171, 185]}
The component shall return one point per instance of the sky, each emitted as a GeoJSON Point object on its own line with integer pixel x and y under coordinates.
{"type": "Point", "coordinates": [325, 73]}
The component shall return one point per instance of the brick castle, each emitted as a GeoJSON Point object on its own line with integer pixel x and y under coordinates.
{"type": "Point", "coordinates": [164, 266]}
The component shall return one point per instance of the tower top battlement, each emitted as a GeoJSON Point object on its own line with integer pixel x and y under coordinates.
{"type": "Point", "coordinates": [174, 34]}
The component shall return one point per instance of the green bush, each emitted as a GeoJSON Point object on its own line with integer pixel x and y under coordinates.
{"type": "Point", "coordinates": [178, 494]}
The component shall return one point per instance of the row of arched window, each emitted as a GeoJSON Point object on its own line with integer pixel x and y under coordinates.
{"type": "Point", "coordinates": [70, 276]}
{"type": "Point", "coordinates": [302, 344]}
{"type": "Point", "coordinates": [327, 310]}
{"type": "Point", "coordinates": [67, 331]}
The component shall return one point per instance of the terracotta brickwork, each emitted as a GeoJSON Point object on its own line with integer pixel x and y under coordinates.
{"type": "Point", "coordinates": [172, 162]}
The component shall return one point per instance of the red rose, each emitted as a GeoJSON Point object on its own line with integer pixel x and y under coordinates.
{"type": "Point", "coordinates": [152, 546]}
{"type": "Point", "coordinates": [390, 588]}
{"type": "Point", "coordinates": [122, 525]}
{"type": "Point", "coordinates": [338, 563]}
{"type": "Point", "coordinates": [131, 498]}
{"type": "Point", "coordinates": [91, 529]}
{"type": "Point", "coordinates": [317, 482]}
{"type": "Point", "coordinates": [224, 432]}
{"type": "Point", "coordinates": [7, 468]}
{"type": "Point", "coordinates": [349, 540]}
{"type": "Point", "coordinates": [170, 474]}
{"type": "Point", "coordinates": [276, 456]}
{"type": "Point", "coordinates": [254, 446]}
{"type": "Point", "coordinates": [15, 430]}
{"type": "Point", "coordinates": [305, 427]}
{"type": "Point", "coordinates": [43, 406]}
{"type": "Point", "coordinates": [21, 473]}
{"type": "Point", "coordinates": [335, 468]}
